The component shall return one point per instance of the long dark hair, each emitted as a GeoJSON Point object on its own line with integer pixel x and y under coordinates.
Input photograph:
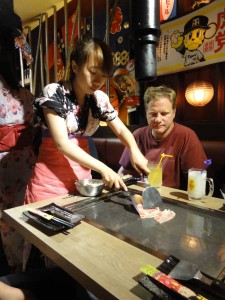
{"type": "Point", "coordinates": [10, 27]}
{"type": "Point", "coordinates": [84, 47]}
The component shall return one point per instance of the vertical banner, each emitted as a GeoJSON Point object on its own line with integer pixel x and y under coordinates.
{"type": "Point", "coordinates": [124, 89]}
{"type": "Point", "coordinates": [193, 41]}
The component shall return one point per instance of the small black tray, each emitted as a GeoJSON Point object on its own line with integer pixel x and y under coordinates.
{"type": "Point", "coordinates": [43, 224]}
{"type": "Point", "coordinates": [53, 226]}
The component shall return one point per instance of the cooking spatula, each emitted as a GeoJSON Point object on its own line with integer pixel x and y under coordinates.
{"type": "Point", "coordinates": [151, 198]}
{"type": "Point", "coordinates": [185, 271]}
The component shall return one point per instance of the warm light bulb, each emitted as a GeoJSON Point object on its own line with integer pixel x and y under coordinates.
{"type": "Point", "coordinates": [199, 93]}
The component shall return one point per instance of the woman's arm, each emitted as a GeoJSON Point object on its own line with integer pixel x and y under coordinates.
{"type": "Point", "coordinates": [139, 162]}
{"type": "Point", "coordinates": [58, 129]}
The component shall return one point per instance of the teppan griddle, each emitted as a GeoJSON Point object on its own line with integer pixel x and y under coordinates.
{"type": "Point", "coordinates": [196, 234]}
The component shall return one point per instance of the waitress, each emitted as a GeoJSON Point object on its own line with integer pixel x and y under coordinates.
{"type": "Point", "coordinates": [69, 112]}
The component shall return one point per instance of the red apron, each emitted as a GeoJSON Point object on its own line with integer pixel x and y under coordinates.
{"type": "Point", "coordinates": [54, 174]}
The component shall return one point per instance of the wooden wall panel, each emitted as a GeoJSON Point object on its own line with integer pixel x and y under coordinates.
{"type": "Point", "coordinates": [214, 110]}
{"type": "Point", "coordinates": [207, 121]}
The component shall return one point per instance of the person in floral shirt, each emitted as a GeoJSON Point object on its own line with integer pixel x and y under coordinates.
{"type": "Point", "coordinates": [69, 112]}
{"type": "Point", "coordinates": [16, 133]}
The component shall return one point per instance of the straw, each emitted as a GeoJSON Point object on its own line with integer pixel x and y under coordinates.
{"type": "Point", "coordinates": [163, 155]}
{"type": "Point", "coordinates": [206, 163]}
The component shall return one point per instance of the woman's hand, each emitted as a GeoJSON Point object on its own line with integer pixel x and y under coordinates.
{"type": "Point", "coordinates": [139, 162]}
{"type": "Point", "coordinates": [112, 179]}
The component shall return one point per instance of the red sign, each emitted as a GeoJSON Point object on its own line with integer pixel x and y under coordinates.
{"type": "Point", "coordinates": [167, 9]}
{"type": "Point", "coordinates": [132, 100]}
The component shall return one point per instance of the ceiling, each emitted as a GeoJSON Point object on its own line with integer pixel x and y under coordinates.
{"type": "Point", "coordinates": [29, 10]}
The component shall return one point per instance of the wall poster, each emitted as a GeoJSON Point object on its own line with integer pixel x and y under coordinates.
{"type": "Point", "coordinates": [168, 9]}
{"type": "Point", "coordinates": [192, 41]}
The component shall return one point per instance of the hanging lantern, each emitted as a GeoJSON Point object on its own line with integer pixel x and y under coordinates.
{"type": "Point", "coordinates": [199, 93]}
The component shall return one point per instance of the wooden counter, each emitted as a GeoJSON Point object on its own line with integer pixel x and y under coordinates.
{"type": "Point", "coordinates": [102, 263]}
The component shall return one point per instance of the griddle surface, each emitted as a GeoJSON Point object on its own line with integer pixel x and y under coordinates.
{"type": "Point", "coordinates": [195, 234]}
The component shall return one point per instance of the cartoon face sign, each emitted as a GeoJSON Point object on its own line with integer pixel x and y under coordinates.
{"type": "Point", "coordinates": [124, 81]}
{"type": "Point", "coordinates": [126, 84]}
{"type": "Point", "coordinates": [188, 42]}
{"type": "Point", "coordinates": [194, 39]}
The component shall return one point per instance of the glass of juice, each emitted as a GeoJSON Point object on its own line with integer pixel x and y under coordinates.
{"type": "Point", "coordinates": [155, 175]}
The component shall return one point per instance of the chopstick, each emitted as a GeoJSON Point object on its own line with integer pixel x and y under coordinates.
{"type": "Point", "coordinates": [48, 217]}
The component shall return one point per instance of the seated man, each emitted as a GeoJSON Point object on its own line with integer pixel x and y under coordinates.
{"type": "Point", "coordinates": [163, 135]}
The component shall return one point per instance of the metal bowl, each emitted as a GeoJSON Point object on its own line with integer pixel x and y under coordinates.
{"type": "Point", "coordinates": [89, 187]}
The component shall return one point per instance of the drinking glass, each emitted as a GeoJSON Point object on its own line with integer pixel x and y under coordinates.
{"type": "Point", "coordinates": [155, 175]}
{"type": "Point", "coordinates": [197, 184]}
